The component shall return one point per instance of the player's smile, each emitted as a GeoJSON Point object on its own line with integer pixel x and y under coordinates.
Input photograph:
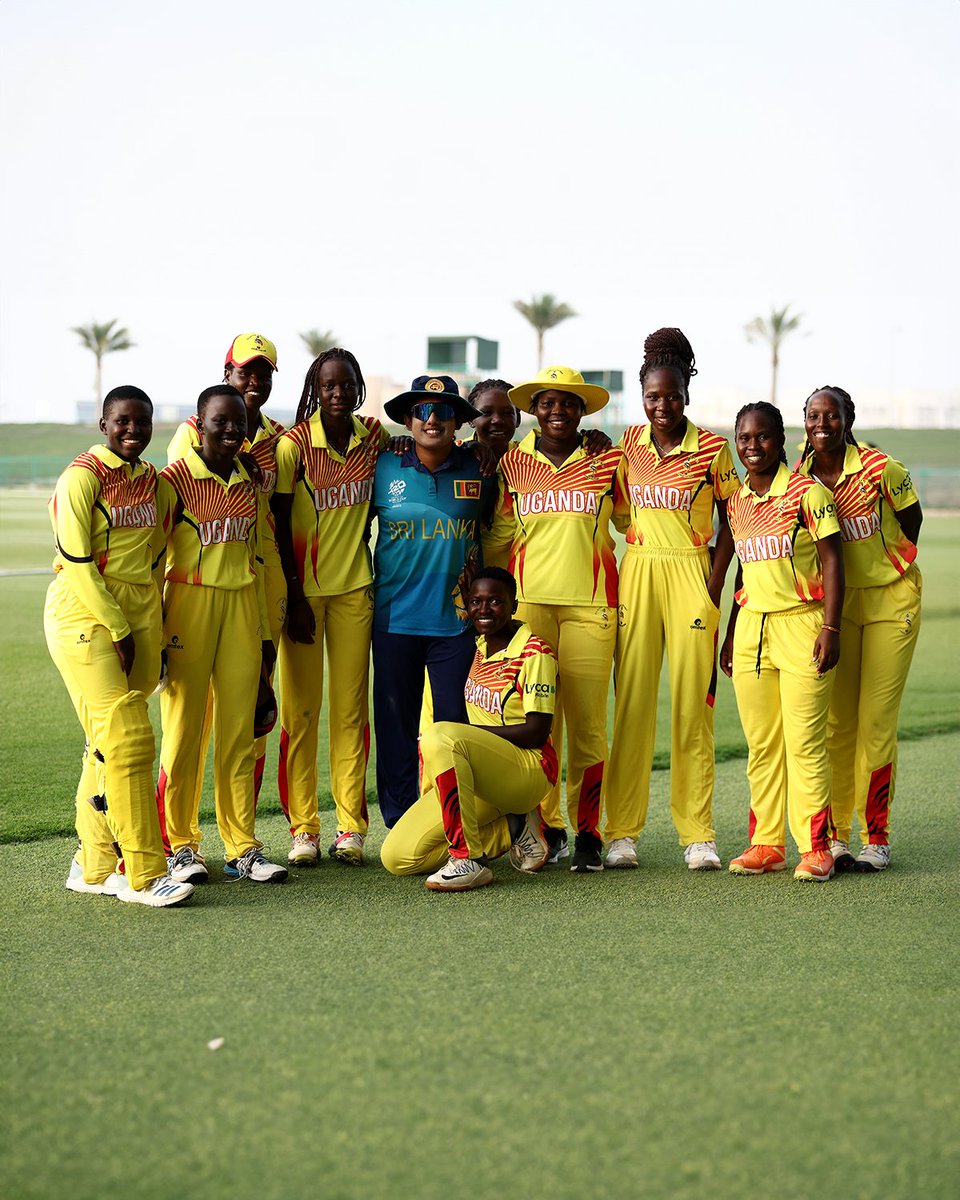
{"type": "Point", "coordinates": [128, 427]}
{"type": "Point", "coordinates": [490, 609]}
{"type": "Point", "coordinates": [497, 422]}
{"type": "Point", "coordinates": [559, 414]}
{"type": "Point", "coordinates": [664, 400]}
{"type": "Point", "coordinates": [824, 423]}
{"type": "Point", "coordinates": [338, 388]}
{"type": "Point", "coordinates": [758, 444]}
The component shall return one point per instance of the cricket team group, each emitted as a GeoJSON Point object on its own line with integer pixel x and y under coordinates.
{"type": "Point", "coordinates": [493, 609]}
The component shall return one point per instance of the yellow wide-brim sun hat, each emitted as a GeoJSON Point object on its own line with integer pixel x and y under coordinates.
{"type": "Point", "coordinates": [559, 379]}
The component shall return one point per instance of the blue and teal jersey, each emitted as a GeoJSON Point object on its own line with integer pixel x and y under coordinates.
{"type": "Point", "coordinates": [429, 525]}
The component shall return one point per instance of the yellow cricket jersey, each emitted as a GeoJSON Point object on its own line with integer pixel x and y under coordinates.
{"type": "Point", "coordinates": [871, 489]}
{"type": "Point", "coordinates": [104, 518]}
{"type": "Point", "coordinates": [331, 503]}
{"type": "Point", "coordinates": [556, 521]}
{"type": "Point", "coordinates": [774, 538]}
{"type": "Point", "coordinates": [504, 686]}
{"type": "Point", "coordinates": [211, 527]}
{"type": "Point", "coordinates": [672, 498]}
{"type": "Point", "coordinates": [263, 450]}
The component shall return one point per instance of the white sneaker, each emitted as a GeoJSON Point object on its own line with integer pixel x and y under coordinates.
{"type": "Point", "coordinates": [459, 875]}
{"type": "Point", "coordinates": [111, 886]}
{"type": "Point", "coordinates": [843, 860]}
{"type": "Point", "coordinates": [306, 850]}
{"type": "Point", "coordinates": [621, 853]}
{"type": "Point", "coordinates": [702, 856]}
{"type": "Point", "coordinates": [529, 850]}
{"type": "Point", "coordinates": [186, 866]}
{"type": "Point", "coordinates": [255, 866]}
{"type": "Point", "coordinates": [872, 859]}
{"type": "Point", "coordinates": [348, 848]}
{"type": "Point", "coordinates": [159, 893]}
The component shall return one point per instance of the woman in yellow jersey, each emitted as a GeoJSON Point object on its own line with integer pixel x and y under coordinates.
{"type": "Point", "coordinates": [102, 625]}
{"type": "Point", "coordinates": [326, 465]}
{"type": "Point", "coordinates": [553, 513]}
{"type": "Point", "coordinates": [483, 781]}
{"type": "Point", "coordinates": [676, 477]}
{"type": "Point", "coordinates": [782, 643]}
{"type": "Point", "coordinates": [216, 632]}
{"type": "Point", "coordinates": [249, 365]}
{"type": "Point", "coordinates": [880, 518]}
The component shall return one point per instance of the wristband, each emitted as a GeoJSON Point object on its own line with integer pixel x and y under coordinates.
{"type": "Point", "coordinates": [832, 628]}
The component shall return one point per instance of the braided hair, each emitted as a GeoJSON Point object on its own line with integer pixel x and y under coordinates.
{"type": "Point", "coordinates": [492, 385]}
{"type": "Point", "coordinates": [847, 407]}
{"type": "Point", "coordinates": [668, 348]}
{"type": "Point", "coordinates": [776, 419]}
{"type": "Point", "coordinates": [310, 397]}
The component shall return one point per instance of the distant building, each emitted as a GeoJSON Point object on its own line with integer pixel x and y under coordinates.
{"type": "Point", "coordinates": [612, 413]}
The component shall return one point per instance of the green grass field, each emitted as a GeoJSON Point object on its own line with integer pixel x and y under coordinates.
{"type": "Point", "coordinates": [637, 1034]}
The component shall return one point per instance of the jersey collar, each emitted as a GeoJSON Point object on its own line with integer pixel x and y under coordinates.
{"type": "Point", "coordinates": [781, 481]}
{"type": "Point", "coordinates": [114, 461]}
{"type": "Point", "coordinates": [199, 470]}
{"type": "Point", "coordinates": [689, 444]}
{"type": "Point", "coordinates": [852, 464]}
{"type": "Point", "coordinates": [512, 648]}
{"type": "Point", "coordinates": [531, 444]}
{"type": "Point", "coordinates": [319, 435]}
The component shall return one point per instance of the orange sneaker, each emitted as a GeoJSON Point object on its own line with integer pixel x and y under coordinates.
{"type": "Point", "coordinates": [756, 860]}
{"type": "Point", "coordinates": [815, 864]}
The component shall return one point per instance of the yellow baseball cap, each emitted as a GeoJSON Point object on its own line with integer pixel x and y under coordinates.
{"type": "Point", "coordinates": [245, 347]}
{"type": "Point", "coordinates": [559, 379]}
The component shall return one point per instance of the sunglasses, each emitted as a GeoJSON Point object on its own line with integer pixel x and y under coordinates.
{"type": "Point", "coordinates": [439, 408]}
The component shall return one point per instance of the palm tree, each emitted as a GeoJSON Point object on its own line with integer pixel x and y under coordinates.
{"type": "Point", "coordinates": [316, 341]}
{"type": "Point", "coordinates": [543, 312]}
{"type": "Point", "coordinates": [773, 330]}
{"type": "Point", "coordinates": [101, 340]}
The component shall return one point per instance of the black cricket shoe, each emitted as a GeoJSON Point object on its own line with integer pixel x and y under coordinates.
{"type": "Point", "coordinates": [586, 853]}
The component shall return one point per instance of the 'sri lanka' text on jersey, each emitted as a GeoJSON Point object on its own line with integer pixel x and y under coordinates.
{"type": "Point", "coordinates": [104, 517]}
{"type": "Point", "coordinates": [672, 498]}
{"type": "Point", "coordinates": [263, 451]}
{"type": "Point", "coordinates": [428, 529]}
{"type": "Point", "coordinates": [870, 490]}
{"type": "Point", "coordinates": [331, 501]}
{"type": "Point", "coordinates": [551, 527]}
{"type": "Point", "coordinates": [774, 536]}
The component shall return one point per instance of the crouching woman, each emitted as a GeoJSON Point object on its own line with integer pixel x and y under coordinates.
{"type": "Point", "coordinates": [483, 782]}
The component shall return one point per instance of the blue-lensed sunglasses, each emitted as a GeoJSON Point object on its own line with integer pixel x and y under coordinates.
{"type": "Point", "coordinates": [439, 408]}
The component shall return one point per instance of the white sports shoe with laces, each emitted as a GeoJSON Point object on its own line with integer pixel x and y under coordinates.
{"type": "Point", "coordinates": [621, 853]}
{"type": "Point", "coordinates": [702, 856]}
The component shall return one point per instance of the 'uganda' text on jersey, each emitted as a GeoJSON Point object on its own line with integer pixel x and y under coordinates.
{"type": "Point", "coordinates": [672, 498]}
{"type": "Point", "coordinates": [331, 503]}
{"type": "Point", "coordinates": [263, 450]}
{"type": "Point", "coordinates": [504, 686]}
{"type": "Point", "coordinates": [428, 528]}
{"type": "Point", "coordinates": [774, 538]}
{"type": "Point", "coordinates": [871, 489]}
{"type": "Point", "coordinates": [104, 518]}
{"type": "Point", "coordinates": [556, 521]}
{"type": "Point", "coordinates": [210, 524]}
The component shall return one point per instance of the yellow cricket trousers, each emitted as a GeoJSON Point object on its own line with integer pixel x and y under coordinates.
{"type": "Point", "coordinates": [584, 637]}
{"type": "Point", "coordinates": [880, 627]}
{"type": "Point", "coordinates": [212, 635]}
{"type": "Point", "coordinates": [664, 603]}
{"type": "Point", "coordinates": [464, 767]}
{"type": "Point", "coordinates": [343, 628]}
{"type": "Point", "coordinates": [275, 587]}
{"type": "Point", "coordinates": [118, 758]}
{"type": "Point", "coordinates": [783, 705]}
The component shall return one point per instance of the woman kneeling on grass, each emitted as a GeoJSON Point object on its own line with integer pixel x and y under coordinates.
{"type": "Point", "coordinates": [503, 753]}
{"type": "Point", "coordinates": [782, 643]}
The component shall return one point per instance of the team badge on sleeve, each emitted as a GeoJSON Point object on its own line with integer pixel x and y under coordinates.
{"type": "Point", "coordinates": [466, 489]}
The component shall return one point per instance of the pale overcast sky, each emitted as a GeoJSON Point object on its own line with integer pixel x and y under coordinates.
{"type": "Point", "coordinates": [389, 170]}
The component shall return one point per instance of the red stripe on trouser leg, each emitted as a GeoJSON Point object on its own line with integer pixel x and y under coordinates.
{"type": "Point", "coordinates": [449, 793]}
{"type": "Point", "coordinates": [550, 763]}
{"type": "Point", "coordinates": [283, 785]}
{"type": "Point", "coordinates": [751, 826]}
{"type": "Point", "coordinates": [818, 829]}
{"type": "Point", "coordinates": [588, 802]}
{"type": "Point", "coordinates": [419, 766]}
{"type": "Point", "coordinates": [878, 805]}
{"type": "Point", "coordinates": [258, 777]}
{"type": "Point", "coordinates": [161, 811]}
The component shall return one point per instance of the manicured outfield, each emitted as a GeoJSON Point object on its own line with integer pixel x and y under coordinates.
{"type": "Point", "coordinates": [644, 1034]}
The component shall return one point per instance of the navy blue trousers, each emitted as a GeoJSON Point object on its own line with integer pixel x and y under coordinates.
{"type": "Point", "coordinates": [399, 660]}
